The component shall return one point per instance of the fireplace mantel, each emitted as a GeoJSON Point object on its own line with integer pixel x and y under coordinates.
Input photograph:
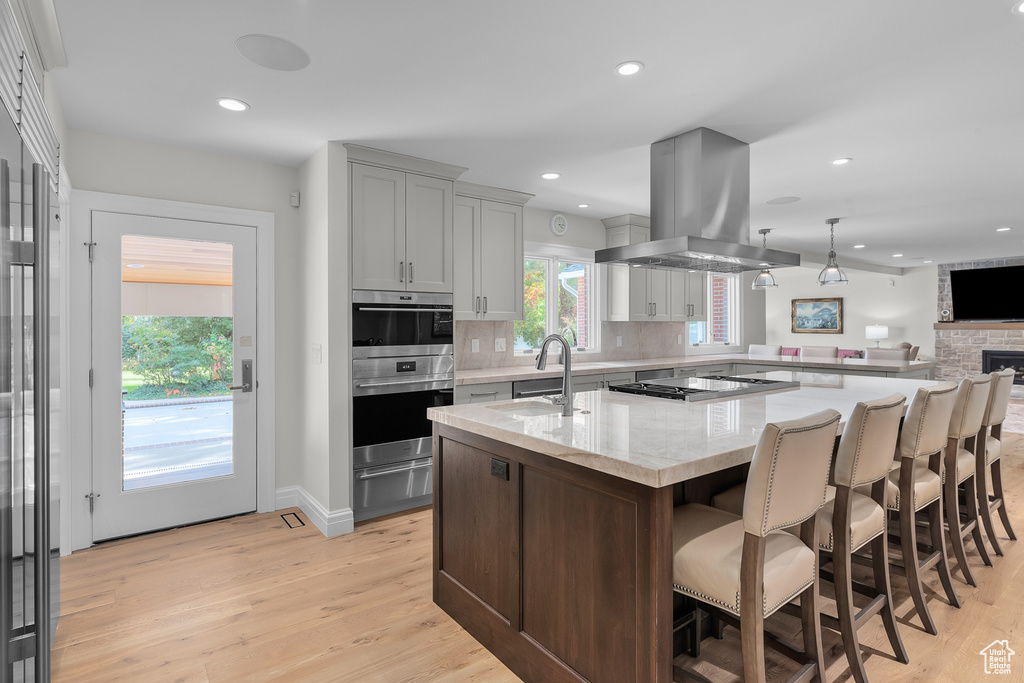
{"type": "Point", "coordinates": [978, 326]}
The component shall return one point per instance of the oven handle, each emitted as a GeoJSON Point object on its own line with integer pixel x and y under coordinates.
{"type": "Point", "coordinates": [401, 381]}
{"type": "Point", "coordinates": [395, 471]}
{"type": "Point", "coordinates": [383, 309]}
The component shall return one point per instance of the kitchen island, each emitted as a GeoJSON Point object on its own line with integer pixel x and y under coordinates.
{"type": "Point", "coordinates": [553, 536]}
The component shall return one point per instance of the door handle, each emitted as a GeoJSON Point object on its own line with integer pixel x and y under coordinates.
{"type": "Point", "coordinates": [246, 385]}
{"type": "Point", "coordinates": [383, 473]}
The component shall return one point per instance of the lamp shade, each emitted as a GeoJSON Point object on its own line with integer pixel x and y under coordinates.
{"type": "Point", "coordinates": [876, 332]}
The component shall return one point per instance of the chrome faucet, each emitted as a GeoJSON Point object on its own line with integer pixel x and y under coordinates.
{"type": "Point", "coordinates": [565, 398]}
{"type": "Point", "coordinates": [571, 334]}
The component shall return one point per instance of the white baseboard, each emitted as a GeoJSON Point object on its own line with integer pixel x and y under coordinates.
{"type": "Point", "coordinates": [330, 523]}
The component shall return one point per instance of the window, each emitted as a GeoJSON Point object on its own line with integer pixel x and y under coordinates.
{"type": "Point", "coordinates": [722, 306]}
{"type": "Point", "coordinates": [558, 298]}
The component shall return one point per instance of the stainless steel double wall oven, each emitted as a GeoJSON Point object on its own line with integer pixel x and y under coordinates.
{"type": "Point", "coordinates": [402, 364]}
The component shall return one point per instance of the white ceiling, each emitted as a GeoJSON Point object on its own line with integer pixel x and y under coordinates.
{"type": "Point", "coordinates": [927, 98]}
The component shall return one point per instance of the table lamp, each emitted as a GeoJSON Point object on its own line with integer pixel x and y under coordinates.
{"type": "Point", "coordinates": [876, 332]}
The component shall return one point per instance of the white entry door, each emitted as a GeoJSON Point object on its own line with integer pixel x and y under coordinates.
{"type": "Point", "coordinates": [174, 372]}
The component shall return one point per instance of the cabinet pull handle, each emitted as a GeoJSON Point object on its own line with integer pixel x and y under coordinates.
{"type": "Point", "coordinates": [655, 305]}
{"type": "Point", "coordinates": [486, 393]}
{"type": "Point", "coordinates": [485, 305]}
{"type": "Point", "coordinates": [401, 271]}
{"type": "Point", "coordinates": [410, 271]}
{"type": "Point", "coordinates": [476, 306]}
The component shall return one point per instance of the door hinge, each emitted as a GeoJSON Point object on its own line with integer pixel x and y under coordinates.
{"type": "Point", "coordinates": [92, 501]}
{"type": "Point", "coordinates": [90, 378]}
{"type": "Point", "coordinates": [92, 250]}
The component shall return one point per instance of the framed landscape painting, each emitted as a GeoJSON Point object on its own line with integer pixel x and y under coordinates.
{"type": "Point", "coordinates": [818, 315]}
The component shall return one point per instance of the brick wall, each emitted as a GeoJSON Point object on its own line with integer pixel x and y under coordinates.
{"type": "Point", "coordinates": [582, 327]}
{"type": "Point", "coordinates": [958, 352]}
{"type": "Point", "coordinates": [719, 309]}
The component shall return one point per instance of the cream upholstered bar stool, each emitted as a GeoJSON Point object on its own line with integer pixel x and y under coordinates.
{"type": "Point", "coordinates": [917, 486]}
{"type": "Point", "coordinates": [748, 566]}
{"type": "Point", "coordinates": [851, 520]}
{"type": "Point", "coordinates": [959, 469]}
{"type": "Point", "coordinates": [819, 352]}
{"type": "Point", "coordinates": [989, 457]}
{"type": "Point", "coordinates": [764, 350]}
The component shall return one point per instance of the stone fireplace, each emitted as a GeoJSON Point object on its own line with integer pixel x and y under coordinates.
{"type": "Point", "coordinates": [959, 347]}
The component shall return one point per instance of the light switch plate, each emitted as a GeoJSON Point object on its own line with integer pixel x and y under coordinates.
{"type": "Point", "coordinates": [499, 345]}
{"type": "Point", "coordinates": [679, 339]}
{"type": "Point", "coordinates": [618, 341]}
{"type": "Point", "coordinates": [475, 345]}
{"type": "Point", "coordinates": [316, 353]}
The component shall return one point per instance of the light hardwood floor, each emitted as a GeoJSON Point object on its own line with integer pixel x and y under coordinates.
{"type": "Point", "coordinates": [249, 599]}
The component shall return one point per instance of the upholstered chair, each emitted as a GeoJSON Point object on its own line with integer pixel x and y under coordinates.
{"type": "Point", "coordinates": [819, 351]}
{"type": "Point", "coordinates": [916, 486]}
{"type": "Point", "coordinates": [959, 469]}
{"type": "Point", "coordinates": [850, 521]}
{"type": "Point", "coordinates": [748, 566]}
{"type": "Point", "coordinates": [764, 350]}
{"type": "Point", "coordinates": [887, 354]}
{"type": "Point", "coordinates": [988, 462]}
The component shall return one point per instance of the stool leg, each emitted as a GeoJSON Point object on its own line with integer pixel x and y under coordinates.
{"type": "Point", "coordinates": [880, 568]}
{"type": "Point", "coordinates": [810, 603]}
{"type": "Point", "coordinates": [997, 490]}
{"type": "Point", "coordinates": [956, 539]}
{"type": "Point", "coordinates": [984, 510]}
{"type": "Point", "coordinates": [971, 491]}
{"type": "Point", "coordinates": [752, 608]}
{"type": "Point", "coordinates": [939, 545]}
{"type": "Point", "coordinates": [911, 563]}
{"type": "Point", "coordinates": [844, 595]}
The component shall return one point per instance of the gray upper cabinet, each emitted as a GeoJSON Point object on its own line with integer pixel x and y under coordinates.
{"type": "Point", "coordinates": [401, 212]}
{"type": "Point", "coordinates": [488, 228]}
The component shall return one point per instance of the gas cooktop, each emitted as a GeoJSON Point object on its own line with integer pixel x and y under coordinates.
{"type": "Point", "coordinates": [702, 388]}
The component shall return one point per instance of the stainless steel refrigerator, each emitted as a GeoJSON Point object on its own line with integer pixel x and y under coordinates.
{"type": "Point", "coordinates": [29, 400]}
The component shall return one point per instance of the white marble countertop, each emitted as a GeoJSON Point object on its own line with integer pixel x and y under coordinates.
{"type": "Point", "coordinates": [514, 373]}
{"type": "Point", "coordinates": [657, 441]}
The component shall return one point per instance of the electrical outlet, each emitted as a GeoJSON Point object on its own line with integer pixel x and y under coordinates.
{"type": "Point", "coordinates": [679, 339]}
{"type": "Point", "coordinates": [475, 345]}
{"type": "Point", "coordinates": [499, 345]}
{"type": "Point", "coordinates": [618, 341]}
{"type": "Point", "coordinates": [316, 354]}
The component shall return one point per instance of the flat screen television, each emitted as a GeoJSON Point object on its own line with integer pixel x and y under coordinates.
{"type": "Point", "coordinates": [988, 293]}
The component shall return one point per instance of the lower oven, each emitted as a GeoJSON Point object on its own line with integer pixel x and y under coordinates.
{"type": "Point", "coordinates": [392, 445]}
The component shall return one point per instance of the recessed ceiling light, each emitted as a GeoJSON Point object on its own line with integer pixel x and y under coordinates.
{"type": "Point", "coordinates": [782, 200]}
{"type": "Point", "coordinates": [1018, 7]}
{"type": "Point", "coordinates": [765, 265]}
{"type": "Point", "coordinates": [550, 176]}
{"type": "Point", "coordinates": [927, 261]}
{"type": "Point", "coordinates": [840, 162]}
{"type": "Point", "coordinates": [272, 52]}
{"type": "Point", "coordinates": [134, 265]}
{"type": "Point", "coordinates": [629, 68]}
{"type": "Point", "coordinates": [1004, 229]}
{"type": "Point", "coordinates": [231, 104]}
{"type": "Point", "coordinates": [858, 246]}
{"type": "Point", "coordinates": [584, 206]}
{"type": "Point", "coordinates": [897, 255]}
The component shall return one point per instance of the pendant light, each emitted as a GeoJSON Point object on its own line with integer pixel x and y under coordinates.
{"type": "Point", "coordinates": [764, 279]}
{"type": "Point", "coordinates": [831, 274]}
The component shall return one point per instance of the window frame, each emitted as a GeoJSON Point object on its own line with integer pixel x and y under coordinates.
{"type": "Point", "coordinates": [735, 318]}
{"type": "Point", "coordinates": [552, 254]}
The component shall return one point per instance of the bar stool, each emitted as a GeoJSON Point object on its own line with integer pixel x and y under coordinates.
{"type": "Point", "coordinates": [747, 566]}
{"type": "Point", "coordinates": [819, 351]}
{"type": "Point", "coordinates": [851, 520]}
{"type": "Point", "coordinates": [989, 457]}
{"type": "Point", "coordinates": [959, 469]}
{"type": "Point", "coordinates": [764, 350]}
{"type": "Point", "coordinates": [917, 486]}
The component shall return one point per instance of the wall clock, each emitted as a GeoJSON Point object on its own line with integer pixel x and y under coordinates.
{"type": "Point", "coordinates": [559, 224]}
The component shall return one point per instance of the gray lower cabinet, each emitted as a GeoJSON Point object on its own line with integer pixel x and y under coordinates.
{"type": "Point", "coordinates": [483, 393]}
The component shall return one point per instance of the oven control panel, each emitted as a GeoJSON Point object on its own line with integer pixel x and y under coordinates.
{"type": "Point", "coordinates": [405, 366]}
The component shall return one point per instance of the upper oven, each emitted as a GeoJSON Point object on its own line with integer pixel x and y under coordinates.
{"type": "Point", "coordinates": [388, 324]}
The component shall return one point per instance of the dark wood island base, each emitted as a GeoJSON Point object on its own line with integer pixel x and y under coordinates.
{"type": "Point", "coordinates": [562, 572]}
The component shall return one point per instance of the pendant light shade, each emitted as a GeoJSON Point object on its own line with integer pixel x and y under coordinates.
{"type": "Point", "coordinates": [764, 279]}
{"type": "Point", "coordinates": [831, 274]}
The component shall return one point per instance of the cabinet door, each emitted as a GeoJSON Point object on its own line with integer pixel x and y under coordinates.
{"type": "Point", "coordinates": [483, 393]}
{"type": "Point", "coordinates": [680, 309]}
{"type": "Point", "coordinates": [639, 301]}
{"type": "Point", "coordinates": [697, 295]}
{"type": "Point", "coordinates": [501, 260]}
{"type": "Point", "coordinates": [378, 227]}
{"type": "Point", "coordinates": [428, 233]}
{"type": "Point", "coordinates": [466, 254]}
{"type": "Point", "coordinates": [616, 378]}
{"type": "Point", "coordinates": [659, 293]}
{"type": "Point", "coordinates": [587, 383]}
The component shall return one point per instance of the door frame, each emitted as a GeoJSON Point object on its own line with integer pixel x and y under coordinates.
{"type": "Point", "coordinates": [78, 459]}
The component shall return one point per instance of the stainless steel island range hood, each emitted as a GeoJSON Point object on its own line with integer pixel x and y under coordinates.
{"type": "Point", "coordinates": [700, 209]}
